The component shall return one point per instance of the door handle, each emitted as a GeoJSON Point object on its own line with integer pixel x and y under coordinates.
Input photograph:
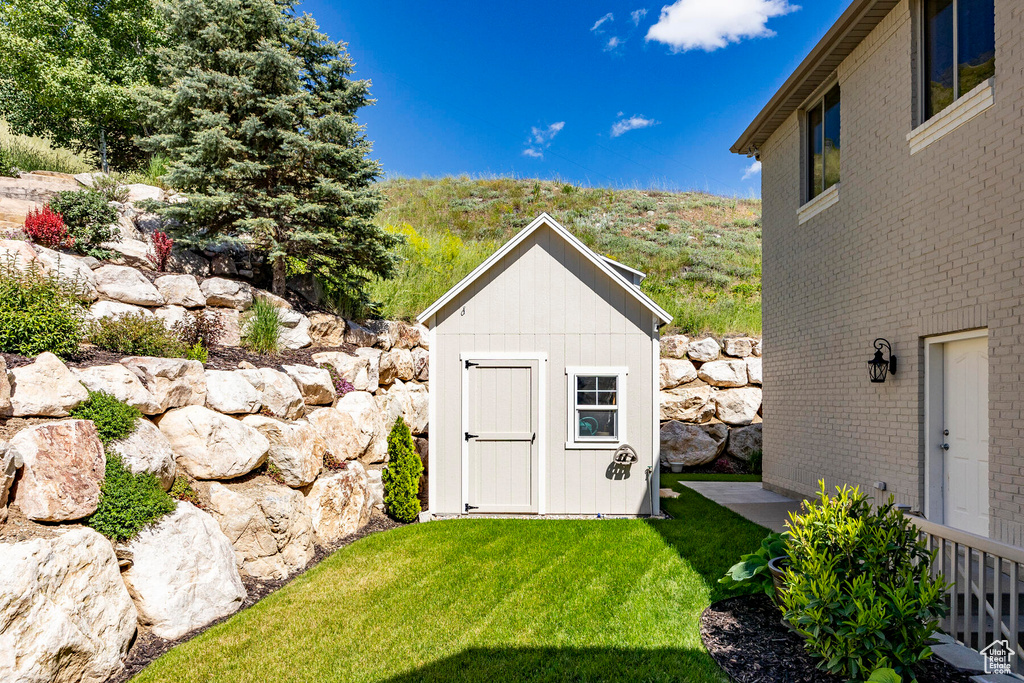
{"type": "Point", "coordinates": [944, 446]}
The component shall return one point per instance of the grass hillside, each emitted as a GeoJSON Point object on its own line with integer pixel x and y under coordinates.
{"type": "Point", "coordinates": [702, 253]}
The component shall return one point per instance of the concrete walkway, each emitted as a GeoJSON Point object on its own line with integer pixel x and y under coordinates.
{"type": "Point", "coordinates": [748, 499]}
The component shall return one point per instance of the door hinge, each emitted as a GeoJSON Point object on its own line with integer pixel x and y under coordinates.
{"type": "Point", "coordinates": [471, 436]}
{"type": "Point", "coordinates": [471, 364]}
{"type": "Point", "coordinates": [533, 437]}
{"type": "Point", "coordinates": [471, 507]}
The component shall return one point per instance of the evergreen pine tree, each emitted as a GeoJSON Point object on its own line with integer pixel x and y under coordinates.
{"type": "Point", "coordinates": [402, 476]}
{"type": "Point", "coordinates": [256, 111]}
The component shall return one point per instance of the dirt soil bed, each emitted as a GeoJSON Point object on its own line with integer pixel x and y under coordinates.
{"type": "Point", "coordinates": [148, 647]}
{"type": "Point", "coordinates": [745, 635]}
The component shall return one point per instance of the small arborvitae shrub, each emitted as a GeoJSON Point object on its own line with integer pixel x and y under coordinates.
{"type": "Point", "coordinates": [182, 490]}
{"type": "Point", "coordinates": [859, 588]}
{"type": "Point", "coordinates": [160, 250]}
{"type": "Point", "coordinates": [261, 327]}
{"type": "Point", "coordinates": [113, 419]}
{"type": "Point", "coordinates": [88, 215]}
{"type": "Point", "coordinates": [137, 335]}
{"type": "Point", "coordinates": [128, 501]}
{"type": "Point", "coordinates": [402, 476]}
{"type": "Point", "coordinates": [46, 227]}
{"type": "Point", "coordinates": [39, 312]}
{"type": "Point", "coordinates": [197, 328]}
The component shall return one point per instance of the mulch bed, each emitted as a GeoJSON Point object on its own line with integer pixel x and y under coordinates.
{"type": "Point", "coordinates": [745, 635]}
{"type": "Point", "coordinates": [148, 647]}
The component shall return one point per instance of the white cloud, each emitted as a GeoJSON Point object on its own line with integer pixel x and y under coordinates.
{"type": "Point", "coordinates": [712, 24]}
{"type": "Point", "coordinates": [597, 24]}
{"type": "Point", "coordinates": [612, 43]}
{"type": "Point", "coordinates": [540, 139]}
{"type": "Point", "coordinates": [637, 15]}
{"type": "Point", "coordinates": [752, 170]}
{"type": "Point", "coordinates": [634, 122]}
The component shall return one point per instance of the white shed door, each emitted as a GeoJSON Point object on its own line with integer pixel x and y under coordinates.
{"type": "Point", "coordinates": [965, 417]}
{"type": "Point", "coordinates": [501, 435]}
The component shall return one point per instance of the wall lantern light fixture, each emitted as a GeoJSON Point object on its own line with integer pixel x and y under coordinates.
{"type": "Point", "coordinates": [880, 366]}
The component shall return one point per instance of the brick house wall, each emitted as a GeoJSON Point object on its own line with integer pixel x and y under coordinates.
{"type": "Point", "coordinates": [916, 246]}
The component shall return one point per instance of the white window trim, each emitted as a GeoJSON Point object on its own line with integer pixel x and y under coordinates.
{"type": "Point", "coordinates": [962, 110]}
{"type": "Point", "coordinates": [818, 204]}
{"type": "Point", "coordinates": [573, 442]}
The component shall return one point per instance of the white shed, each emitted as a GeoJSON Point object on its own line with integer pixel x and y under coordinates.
{"type": "Point", "coordinates": [543, 365]}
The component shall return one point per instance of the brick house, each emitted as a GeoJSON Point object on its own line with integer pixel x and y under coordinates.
{"type": "Point", "coordinates": [893, 202]}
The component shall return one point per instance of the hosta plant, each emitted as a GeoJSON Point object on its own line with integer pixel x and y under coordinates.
{"type": "Point", "coordinates": [750, 574]}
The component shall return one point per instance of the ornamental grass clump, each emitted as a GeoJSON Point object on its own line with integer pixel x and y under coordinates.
{"type": "Point", "coordinates": [261, 327]}
{"type": "Point", "coordinates": [402, 476]}
{"type": "Point", "coordinates": [114, 419]}
{"type": "Point", "coordinates": [859, 588]}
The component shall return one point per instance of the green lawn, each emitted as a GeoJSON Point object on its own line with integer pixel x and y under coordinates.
{"type": "Point", "coordinates": [669, 481]}
{"type": "Point", "coordinates": [488, 600]}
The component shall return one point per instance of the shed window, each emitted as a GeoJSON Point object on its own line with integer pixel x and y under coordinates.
{"type": "Point", "coordinates": [597, 396]}
{"type": "Point", "coordinates": [959, 50]}
{"type": "Point", "coordinates": [823, 144]}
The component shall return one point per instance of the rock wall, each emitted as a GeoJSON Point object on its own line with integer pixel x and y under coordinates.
{"type": "Point", "coordinates": [710, 401]}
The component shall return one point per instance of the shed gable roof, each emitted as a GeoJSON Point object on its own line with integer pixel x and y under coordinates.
{"type": "Point", "coordinates": [542, 220]}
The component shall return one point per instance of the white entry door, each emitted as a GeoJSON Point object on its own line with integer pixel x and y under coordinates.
{"type": "Point", "coordinates": [965, 425]}
{"type": "Point", "coordinates": [501, 416]}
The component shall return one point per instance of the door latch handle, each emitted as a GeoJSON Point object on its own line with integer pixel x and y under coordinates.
{"type": "Point", "coordinates": [471, 436]}
{"type": "Point", "coordinates": [944, 446]}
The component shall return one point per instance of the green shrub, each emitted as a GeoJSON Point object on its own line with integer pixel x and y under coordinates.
{"type": "Point", "coordinates": [197, 352]}
{"type": "Point", "coordinates": [110, 187]}
{"type": "Point", "coordinates": [859, 587]}
{"type": "Point", "coordinates": [113, 419]}
{"type": "Point", "coordinates": [136, 334]}
{"type": "Point", "coordinates": [402, 476]}
{"type": "Point", "coordinates": [197, 328]}
{"type": "Point", "coordinates": [128, 501]}
{"type": "Point", "coordinates": [261, 327]}
{"type": "Point", "coordinates": [750, 574]}
{"type": "Point", "coordinates": [39, 312]}
{"type": "Point", "coordinates": [88, 215]}
{"type": "Point", "coordinates": [755, 464]}
{"type": "Point", "coordinates": [182, 490]}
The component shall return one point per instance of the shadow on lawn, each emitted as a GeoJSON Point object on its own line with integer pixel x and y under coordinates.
{"type": "Point", "coordinates": [550, 665]}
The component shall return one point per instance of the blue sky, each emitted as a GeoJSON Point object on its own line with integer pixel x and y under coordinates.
{"type": "Point", "coordinates": [625, 94]}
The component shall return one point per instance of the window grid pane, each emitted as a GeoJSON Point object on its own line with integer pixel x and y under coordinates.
{"type": "Point", "coordinates": [814, 148]}
{"type": "Point", "coordinates": [938, 55]}
{"type": "Point", "coordinates": [976, 43]}
{"type": "Point", "coordinates": [598, 424]}
{"type": "Point", "coordinates": [830, 151]}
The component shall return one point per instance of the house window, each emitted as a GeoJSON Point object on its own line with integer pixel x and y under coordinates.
{"type": "Point", "coordinates": [959, 44]}
{"type": "Point", "coordinates": [596, 400]}
{"type": "Point", "coordinates": [823, 144]}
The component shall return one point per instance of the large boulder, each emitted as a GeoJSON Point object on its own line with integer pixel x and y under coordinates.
{"type": "Point", "coordinates": [173, 382]}
{"type": "Point", "coordinates": [65, 612]}
{"type": "Point", "coordinates": [744, 442]}
{"type": "Point", "coordinates": [396, 364]}
{"type": "Point", "coordinates": [138, 192]}
{"type": "Point", "coordinates": [421, 364]}
{"type": "Point", "coordinates": [181, 290]}
{"type": "Point", "coordinates": [315, 384]}
{"type": "Point", "coordinates": [119, 382]}
{"type": "Point", "coordinates": [357, 335]}
{"type": "Point", "coordinates": [756, 348]}
{"type": "Point", "coordinates": [688, 404]}
{"type": "Point", "coordinates": [406, 336]}
{"type": "Point", "coordinates": [227, 293]}
{"type": "Point", "coordinates": [127, 285]}
{"type": "Point", "coordinates": [339, 503]}
{"type": "Point", "coordinates": [147, 450]}
{"type": "Point", "coordinates": [296, 448]}
{"type": "Point", "coordinates": [5, 390]}
{"type": "Point", "coordinates": [10, 463]}
{"type": "Point", "coordinates": [130, 253]}
{"type": "Point", "coordinates": [368, 418]}
{"type": "Point", "coordinates": [341, 436]}
{"type": "Point", "coordinates": [71, 270]}
{"type": "Point", "coordinates": [183, 573]}
{"type": "Point", "coordinates": [424, 335]}
{"type": "Point", "coordinates": [738, 406]}
{"type": "Point", "coordinates": [754, 370]}
{"type": "Point", "coordinates": [355, 369]}
{"type": "Point", "coordinates": [19, 253]}
{"type": "Point", "coordinates": [115, 309]}
{"type": "Point", "coordinates": [209, 445]}
{"type": "Point", "coordinates": [724, 373]}
{"type": "Point", "coordinates": [278, 392]}
{"type": "Point", "coordinates": [372, 357]}
{"type": "Point", "coordinates": [45, 388]}
{"type": "Point", "coordinates": [326, 329]}
{"type": "Point", "coordinates": [230, 323]}
{"type": "Point", "coordinates": [230, 392]}
{"type": "Point", "coordinates": [407, 400]}
{"type": "Point", "coordinates": [63, 466]}
{"type": "Point", "coordinates": [675, 346]}
{"type": "Point", "coordinates": [691, 445]}
{"type": "Point", "coordinates": [294, 331]}
{"type": "Point", "coordinates": [171, 315]}
{"type": "Point", "coordinates": [676, 371]}
{"type": "Point", "coordinates": [738, 347]}
{"type": "Point", "coordinates": [268, 525]}
{"type": "Point", "coordinates": [704, 350]}
{"type": "Point", "coordinates": [189, 262]}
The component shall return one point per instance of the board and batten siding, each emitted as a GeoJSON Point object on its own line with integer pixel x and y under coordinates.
{"type": "Point", "coordinates": [545, 297]}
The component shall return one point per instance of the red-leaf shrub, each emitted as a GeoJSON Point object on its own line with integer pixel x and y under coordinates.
{"type": "Point", "coordinates": [162, 245]}
{"type": "Point", "coordinates": [47, 228]}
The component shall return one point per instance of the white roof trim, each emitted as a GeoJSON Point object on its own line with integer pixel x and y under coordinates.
{"type": "Point", "coordinates": [545, 219]}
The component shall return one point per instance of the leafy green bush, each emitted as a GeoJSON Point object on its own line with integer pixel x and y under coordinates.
{"type": "Point", "coordinates": [261, 327]}
{"type": "Point", "coordinates": [859, 587]}
{"type": "Point", "coordinates": [136, 334]}
{"type": "Point", "coordinates": [113, 419]}
{"type": "Point", "coordinates": [750, 574]}
{"type": "Point", "coordinates": [182, 489]}
{"type": "Point", "coordinates": [39, 312]}
{"type": "Point", "coordinates": [110, 187]}
{"type": "Point", "coordinates": [402, 476]}
{"type": "Point", "coordinates": [197, 352]}
{"type": "Point", "coordinates": [198, 328]}
{"type": "Point", "coordinates": [128, 501]}
{"type": "Point", "coordinates": [88, 215]}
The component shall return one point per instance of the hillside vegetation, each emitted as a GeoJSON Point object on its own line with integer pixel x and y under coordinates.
{"type": "Point", "coordinates": [702, 253]}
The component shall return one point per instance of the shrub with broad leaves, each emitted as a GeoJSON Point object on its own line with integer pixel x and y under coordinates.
{"type": "Point", "coordinates": [46, 227]}
{"type": "Point", "coordinates": [750, 574]}
{"type": "Point", "coordinates": [39, 312]}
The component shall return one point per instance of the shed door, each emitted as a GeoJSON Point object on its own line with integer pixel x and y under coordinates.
{"type": "Point", "coordinates": [500, 432]}
{"type": "Point", "coordinates": [965, 414]}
